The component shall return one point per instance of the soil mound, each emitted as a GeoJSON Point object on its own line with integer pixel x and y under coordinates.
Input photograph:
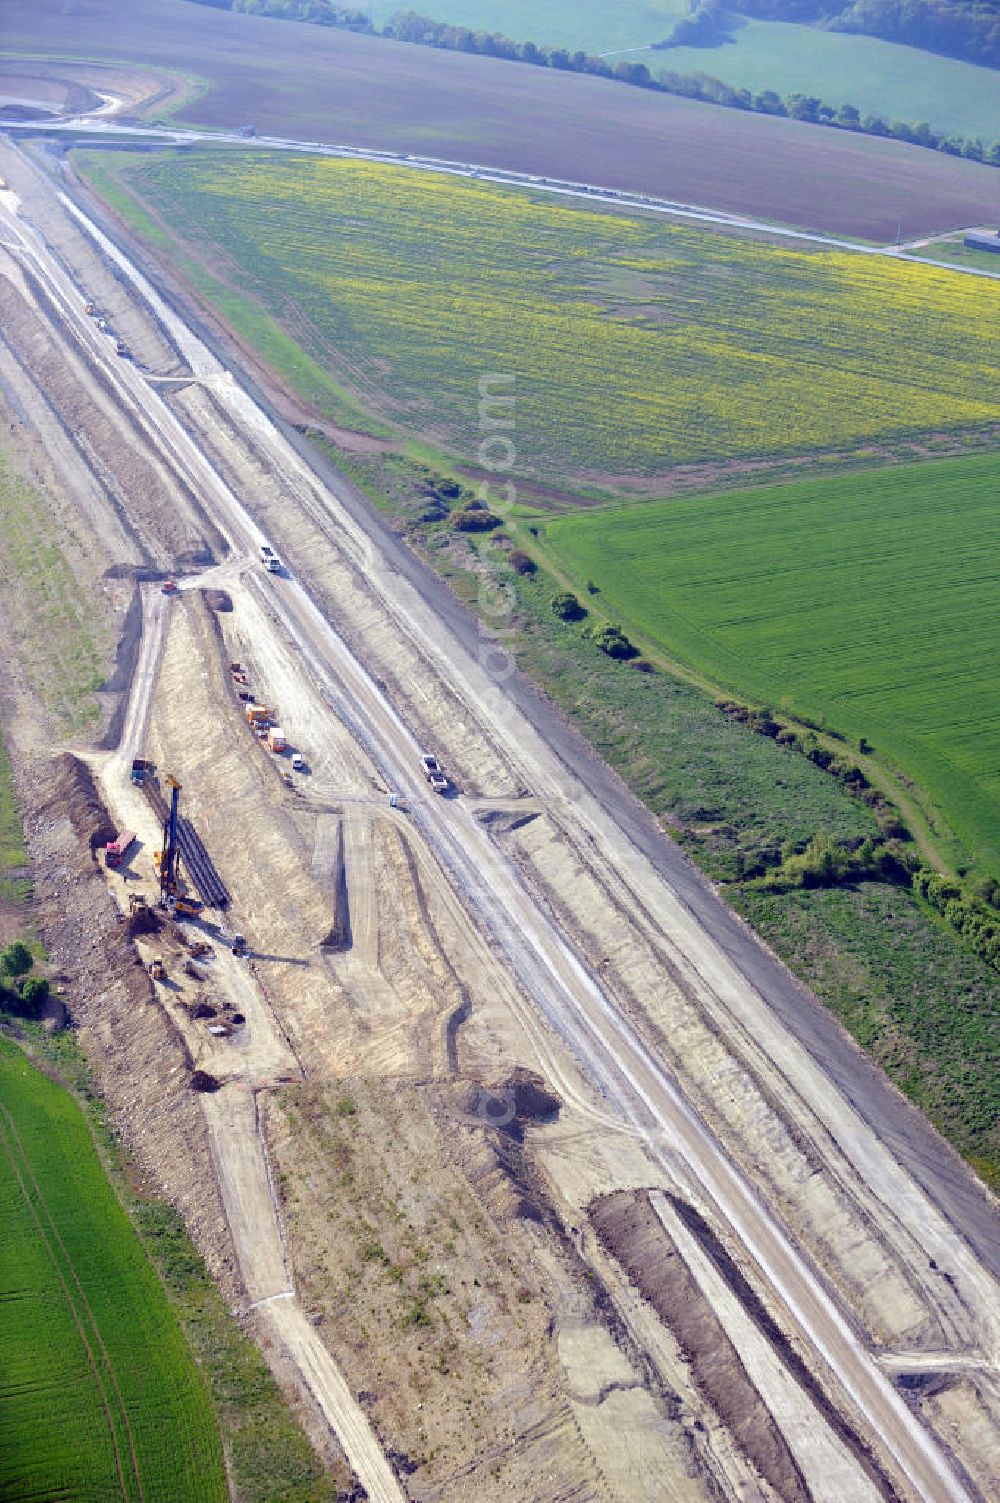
{"type": "Point", "coordinates": [518, 1101]}
{"type": "Point", "coordinates": [202, 1081]}
{"type": "Point", "coordinates": [632, 1232]}
{"type": "Point", "coordinates": [533, 1101]}
{"type": "Point", "coordinates": [218, 600]}
{"type": "Point", "coordinates": [143, 921]}
{"type": "Point", "coordinates": [73, 793]}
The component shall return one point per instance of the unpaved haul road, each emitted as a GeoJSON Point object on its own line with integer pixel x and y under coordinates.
{"type": "Point", "coordinates": [237, 1149]}
{"type": "Point", "coordinates": [628, 1073]}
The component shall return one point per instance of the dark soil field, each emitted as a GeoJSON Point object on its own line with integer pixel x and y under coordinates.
{"type": "Point", "coordinates": [305, 81]}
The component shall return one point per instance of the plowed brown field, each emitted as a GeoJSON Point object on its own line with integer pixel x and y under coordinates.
{"type": "Point", "coordinates": [296, 80]}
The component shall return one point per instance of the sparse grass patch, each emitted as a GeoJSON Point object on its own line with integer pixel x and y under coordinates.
{"type": "Point", "coordinates": [57, 632]}
{"type": "Point", "coordinates": [15, 885]}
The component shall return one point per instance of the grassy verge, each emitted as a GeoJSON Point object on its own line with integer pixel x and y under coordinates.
{"type": "Point", "coordinates": [268, 1457]}
{"type": "Point", "coordinates": [15, 885]}
{"type": "Point", "coordinates": [57, 633]}
{"type": "Point", "coordinates": [960, 255]}
{"type": "Point", "coordinates": [896, 976]}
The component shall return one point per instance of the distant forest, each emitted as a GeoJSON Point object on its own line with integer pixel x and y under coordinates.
{"type": "Point", "coordinates": [967, 29]}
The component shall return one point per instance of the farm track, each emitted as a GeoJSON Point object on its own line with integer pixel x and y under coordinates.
{"type": "Point", "coordinates": [583, 1024]}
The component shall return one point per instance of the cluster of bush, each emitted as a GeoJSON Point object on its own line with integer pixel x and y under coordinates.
{"type": "Point", "coordinates": [607, 636]}
{"type": "Point", "coordinates": [316, 12]}
{"type": "Point", "coordinates": [815, 111]}
{"type": "Point", "coordinates": [826, 862]}
{"type": "Point", "coordinates": [475, 517]}
{"type": "Point", "coordinates": [807, 744]}
{"type": "Point", "coordinates": [438, 494]}
{"type": "Point", "coordinates": [887, 857]}
{"type": "Point", "coordinates": [972, 912]}
{"type": "Point", "coordinates": [21, 993]}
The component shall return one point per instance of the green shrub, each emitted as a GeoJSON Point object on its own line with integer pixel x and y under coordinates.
{"type": "Point", "coordinates": [613, 641]}
{"type": "Point", "coordinates": [474, 518]}
{"type": "Point", "coordinates": [567, 607]}
{"type": "Point", "coordinates": [34, 995]}
{"type": "Point", "coordinates": [16, 959]}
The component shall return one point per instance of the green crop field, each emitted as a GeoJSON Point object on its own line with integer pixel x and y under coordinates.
{"type": "Point", "coordinates": [867, 602]}
{"type": "Point", "coordinates": [101, 1399]}
{"type": "Point", "coordinates": [636, 344]}
{"type": "Point", "coordinates": [587, 25]}
{"type": "Point", "coordinates": [880, 78]}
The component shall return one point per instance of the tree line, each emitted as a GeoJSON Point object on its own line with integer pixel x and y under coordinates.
{"type": "Point", "coordinates": [705, 19]}
{"type": "Point", "coordinates": [966, 29]}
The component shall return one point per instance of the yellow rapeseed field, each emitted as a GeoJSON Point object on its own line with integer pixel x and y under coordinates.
{"type": "Point", "coordinates": [636, 343]}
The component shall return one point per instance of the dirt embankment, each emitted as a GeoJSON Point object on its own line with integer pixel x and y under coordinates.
{"type": "Point", "coordinates": [427, 1250]}
{"type": "Point", "coordinates": [628, 1226]}
{"type": "Point", "coordinates": [630, 1229]}
{"type": "Point", "coordinates": [139, 1062]}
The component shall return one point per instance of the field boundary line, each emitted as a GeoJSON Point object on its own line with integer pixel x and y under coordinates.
{"type": "Point", "coordinates": [11, 1129]}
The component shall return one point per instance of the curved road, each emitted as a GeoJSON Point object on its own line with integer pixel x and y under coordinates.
{"type": "Point", "coordinates": [91, 125]}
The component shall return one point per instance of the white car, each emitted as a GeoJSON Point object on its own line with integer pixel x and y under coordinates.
{"type": "Point", "coordinates": [438, 781]}
{"type": "Point", "coordinates": [273, 564]}
{"type": "Point", "coordinates": [429, 764]}
{"type": "Point", "coordinates": [298, 762]}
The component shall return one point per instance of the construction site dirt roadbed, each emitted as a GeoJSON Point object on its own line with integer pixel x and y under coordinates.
{"type": "Point", "coordinates": [509, 1157]}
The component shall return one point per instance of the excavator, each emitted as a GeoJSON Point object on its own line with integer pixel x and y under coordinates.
{"type": "Point", "coordinates": [166, 863]}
